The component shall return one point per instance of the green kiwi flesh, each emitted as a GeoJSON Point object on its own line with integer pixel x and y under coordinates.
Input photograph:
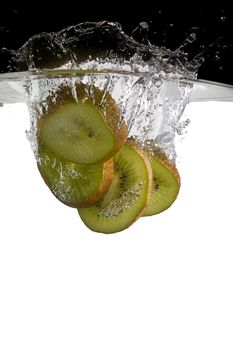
{"type": "Point", "coordinates": [127, 195]}
{"type": "Point", "coordinates": [77, 132]}
{"type": "Point", "coordinates": [74, 184]}
{"type": "Point", "coordinates": [165, 187]}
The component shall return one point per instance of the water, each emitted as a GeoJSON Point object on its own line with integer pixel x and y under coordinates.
{"type": "Point", "coordinates": [94, 45]}
{"type": "Point", "coordinates": [164, 275]}
{"type": "Point", "coordinates": [169, 273]}
{"type": "Point", "coordinates": [151, 85]}
{"type": "Point", "coordinates": [150, 106]}
{"type": "Point", "coordinates": [12, 88]}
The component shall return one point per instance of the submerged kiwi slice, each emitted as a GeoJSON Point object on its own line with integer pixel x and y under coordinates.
{"type": "Point", "coordinates": [127, 195]}
{"type": "Point", "coordinates": [83, 129]}
{"type": "Point", "coordinates": [166, 185]}
{"type": "Point", "coordinates": [74, 184]}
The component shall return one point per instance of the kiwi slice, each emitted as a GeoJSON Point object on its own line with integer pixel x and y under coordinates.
{"type": "Point", "coordinates": [127, 195]}
{"type": "Point", "coordinates": [81, 124]}
{"type": "Point", "coordinates": [76, 185]}
{"type": "Point", "coordinates": [166, 185]}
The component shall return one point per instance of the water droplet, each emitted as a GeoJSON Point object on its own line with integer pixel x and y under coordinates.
{"type": "Point", "coordinates": [144, 26]}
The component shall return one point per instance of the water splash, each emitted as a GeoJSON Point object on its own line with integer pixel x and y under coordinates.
{"type": "Point", "coordinates": [144, 80]}
{"type": "Point", "coordinates": [95, 45]}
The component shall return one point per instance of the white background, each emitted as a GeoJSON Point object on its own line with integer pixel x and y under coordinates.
{"type": "Point", "coordinates": [165, 283]}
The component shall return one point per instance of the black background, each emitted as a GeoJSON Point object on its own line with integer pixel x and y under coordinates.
{"type": "Point", "coordinates": [169, 27]}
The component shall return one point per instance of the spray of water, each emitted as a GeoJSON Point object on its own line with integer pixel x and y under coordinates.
{"type": "Point", "coordinates": [146, 81]}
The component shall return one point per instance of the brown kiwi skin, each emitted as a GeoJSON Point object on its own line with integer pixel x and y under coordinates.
{"type": "Point", "coordinates": [149, 191]}
{"type": "Point", "coordinates": [102, 100]}
{"type": "Point", "coordinates": [108, 172]}
{"type": "Point", "coordinates": [172, 168]}
{"type": "Point", "coordinates": [162, 158]}
{"type": "Point", "coordinates": [158, 154]}
{"type": "Point", "coordinates": [149, 171]}
{"type": "Point", "coordinates": [154, 152]}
